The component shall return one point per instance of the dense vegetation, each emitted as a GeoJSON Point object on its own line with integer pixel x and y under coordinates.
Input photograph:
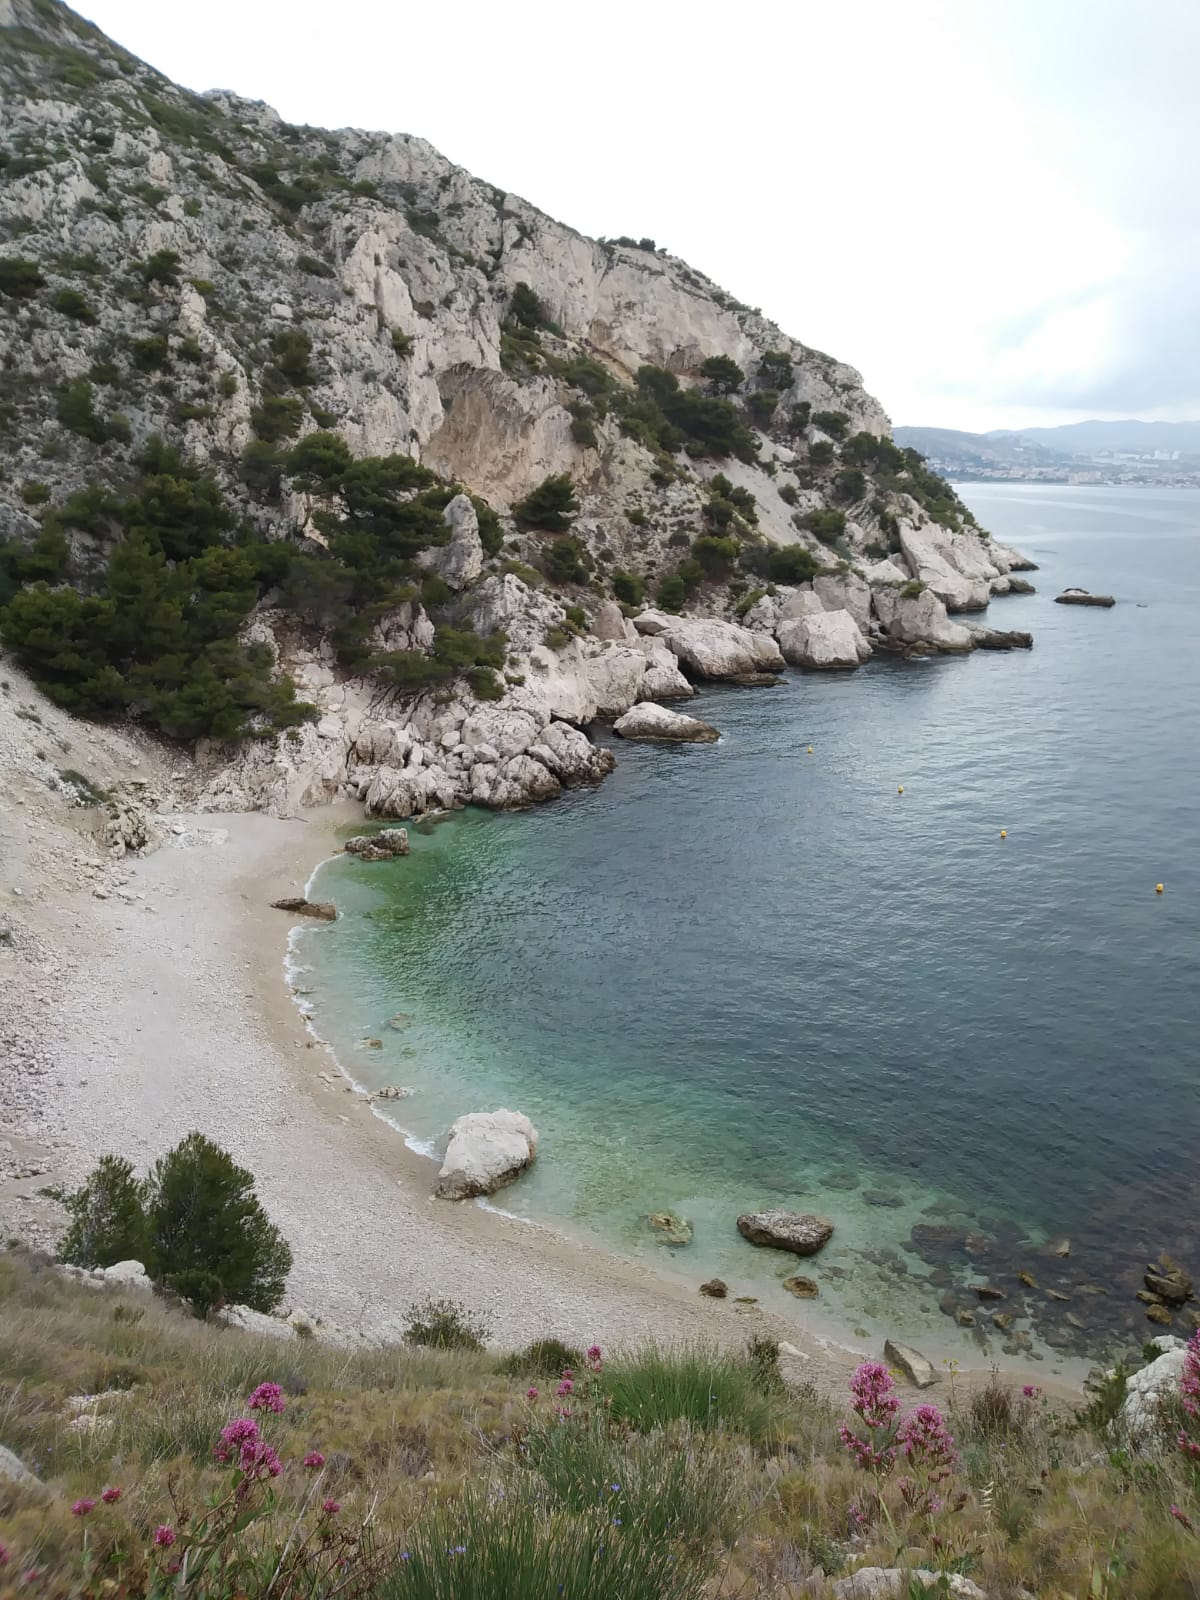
{"type": "Point", "coordinates": [194, 1222]}
{"type": "Point", "coordinates": [150, 624]}
{"type": "Point", "coordinates": [222, 1465]}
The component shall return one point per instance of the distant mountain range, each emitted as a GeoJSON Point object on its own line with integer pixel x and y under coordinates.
{"type": "Point", "coordinates": [1073, 447]}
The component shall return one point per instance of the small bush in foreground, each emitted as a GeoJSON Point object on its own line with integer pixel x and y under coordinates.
{"type": "Point", "coordinates": [544, 1358]}
{"type": "Point", "coordinates": [704, 1387]}
{"type": "Point", "coordinates": [444, 1325]}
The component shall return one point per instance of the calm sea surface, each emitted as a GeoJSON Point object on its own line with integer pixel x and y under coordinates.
{"type": "Point", "coordinates": [740, 975]}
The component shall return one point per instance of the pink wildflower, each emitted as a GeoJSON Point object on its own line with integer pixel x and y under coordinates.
{"type": "Point", "coordinates": [875, 1402]}
{"type": "Point", "coordinates": [567, 1386]}
{"type": "Point", "coordinates": [331, 1507]}
{"type": "Point", "coordinates": [568, 1373]}
{"type": "Point", "coordinates": [1189, 1379]}
{"type": "Point", "coordinates": [111, 1496]}
{"type": "Point", "coordinates": [3, 1554]}
{"type": "Point", "coordinates": [1188, 1445]}
{"type": "Point", "coordinates": [259, 1460]}
{"type": "Point", "coordinates": [565, 1416]}
{"type": "Point", "coordinates": [1031, 1391]}
{"type": "Point", "coordinates": [164, 1536]}
{"type": "Point", "coordinates": [1183, 1518]}
{"type": "Point", "coordinates": [234, 1435]}
{"type": "Point", "coordinates": [267, 1397]}
{"type": "Point", "coordinates": [531, 1394]}
{"type": "Point", "coordinates": [926, 1441]}
{"type": "Point", "coordinates": [314, 1459]}
{"type": "Point", "coordinates": [82, 1507]}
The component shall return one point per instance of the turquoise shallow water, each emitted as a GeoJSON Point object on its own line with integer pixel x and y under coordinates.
{"type": "Point", "coordinates": [740, 975]}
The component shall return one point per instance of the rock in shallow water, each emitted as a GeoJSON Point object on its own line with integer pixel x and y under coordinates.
{"type": "Point", "coordinates": [381, 846]}
{"type": "Point", "coordinates": [802, 1288]}
{"type": "Point", "coordinates": [1083, 597]}
{"type": "Point", "coordinates": [671, 1230]}
{"type": "Point", "coordinates": [486, 1150]}
{"type": "Point", "coordinates": [322, 910]}
{"type": "Point", "coordinates": [800, 1232]}
{"type": "Point", "coordinates": [649, 721]}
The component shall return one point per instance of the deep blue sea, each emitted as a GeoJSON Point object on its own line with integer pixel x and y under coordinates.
{"type": "Point", "coordinates": [741, 975]}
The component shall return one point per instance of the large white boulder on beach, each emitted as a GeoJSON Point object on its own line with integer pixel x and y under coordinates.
{"type": "Point", "coordinates": [823, 640]}
{"type": "Point", "coordinates": [649, 721]}
{"type": "Point", "coordinates": [486, 1150]}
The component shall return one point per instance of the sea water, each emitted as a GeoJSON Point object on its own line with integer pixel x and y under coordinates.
{"type": "Point", "coordinates": [739, 975]}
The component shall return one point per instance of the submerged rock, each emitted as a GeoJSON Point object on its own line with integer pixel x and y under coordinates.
{"type": "Point", "coordinates": [915, 1367]}
{"type": "Point", "coordinates": [486, 1150]}
{"type": "Point", "coordinates": [802, 1288]}
{"type": "Point", "coordinates": [800, 1232]}
{"type": "Point", "coordinates": [671, 1230]}
{"type": "Point", "coordinates": [649, 721]}
{"type": "Point", "coordinates": [1083, 597]}
{"type": "Point", "coordinates": [323, 910]}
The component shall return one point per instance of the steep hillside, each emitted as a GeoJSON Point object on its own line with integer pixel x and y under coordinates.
{"type": "Point", "coordinates": [285, 401]}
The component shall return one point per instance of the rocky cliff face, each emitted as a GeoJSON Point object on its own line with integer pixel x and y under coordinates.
{"type": "Point", "coordinates": [194, 269]}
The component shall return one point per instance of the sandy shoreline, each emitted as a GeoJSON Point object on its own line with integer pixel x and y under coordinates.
{"type": "Point", "coordinates": [164, 1008]}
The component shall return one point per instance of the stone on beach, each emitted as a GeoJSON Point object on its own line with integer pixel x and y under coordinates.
{"type": "Point", "coordinates": [486, 1150]}
{"type": "Point", "coordinates": [322, 910]}
{"type": "Point", "coordinates": [800, 1232]}
{"type": "Point", "coordinates": [915, 1367]}
{"type": "Point", "coordinates": [649, 721]}
{"type": "Point", "coordinates": [715, 1288]}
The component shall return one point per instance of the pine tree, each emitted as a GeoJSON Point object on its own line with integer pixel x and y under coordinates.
{"type": "Point", "coordinates": [108, 1217]}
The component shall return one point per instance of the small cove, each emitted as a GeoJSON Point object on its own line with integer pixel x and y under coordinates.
{"type": "Point", "coordinates": [738, 975]}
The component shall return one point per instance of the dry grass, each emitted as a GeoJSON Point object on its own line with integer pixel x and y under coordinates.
{"type": "Point", "coordinates": [1048, 1507]}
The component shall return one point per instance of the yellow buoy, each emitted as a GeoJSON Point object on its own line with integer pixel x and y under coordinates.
{"type": "Point", "coordinates": [1004, 833]}
{"type": "Point", "coordinates": [810, 749]}
{"type": "Point", "coordinates": [1158, 888]}
{"type": "Point", "coordinates": [900, 790]}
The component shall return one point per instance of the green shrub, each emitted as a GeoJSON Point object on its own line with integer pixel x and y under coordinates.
{"type": "Point", "coordinates": [704, 1387]}
{"type": "Point", "coordinates": [716, 554]}
{"type": "Point", "coordinates": [748, 600]}
{"type": "Point", "coordinates": [672, 592]}
{"type": "Point", "coordinates": [76, 412]}
{"type": "Point", "coordinates": [761, 406]}
{"type": "Point", "coordinates": [278, 417]}
{"type": "Point", "coordinates": [821, 453]}
{"type": "Point", "coordinates": [775, 370]}
{"type": "Point", "coordinates": [525, 309]}
{"type": "Point", "coordinates": [314, 267]}
{"type": "Point", "coordinates": [34, 493]}
{"type": "Point", "coordinates": [205, 1218]}
{"type": "Point", "coordinates": [912, 589]}
{"type": "Point", "coordinates": [527, 575]}
{"type": "Point", "coordinates": [72, 304]}
{"type": "Point", "coordinates": [788, 494]}
{"type": "Point", "coordinates": [151, 353]}
{"type": "Point", "coordinates": [828, 525]}
{"type": "Point", "coordinates": [319, 462]}
{"type": "Point", "coordinates": [544, 1358]}
{"type": "Point", "coordinates": [799, 416]}
{"type": "Point", "coordinates": [789, 563]}
{"type": "Point", "coordinates": [485, 684]}
{"type": "Point", "coordinates": [108, 1217]}
{"type": "Point", "coordinates": [628, 588]}
{"type": "Point", "coordinates": [402, 343]}
{"type": "Point", "coordinates": [292, 348]}
{"type": "Point", "coordinates": [19, 279]}
{"type": "Point", "coordinates": [834, 423]}
{"type": "Point", "coordinates": [491, 529]}
{"type": "Point", "coordinates": [723, 374]}
{"type": "Point", "coordinates": [442, 1324]}
{"type": "Point", "coordinates": [565, 560]}
{"type": "Point", "coordinates": [550, 507]}
{"type": "Point", "coordinates": [162, 267]}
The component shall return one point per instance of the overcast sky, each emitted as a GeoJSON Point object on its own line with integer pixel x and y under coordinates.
{"type": "Point", "coordinates": [990, 207]}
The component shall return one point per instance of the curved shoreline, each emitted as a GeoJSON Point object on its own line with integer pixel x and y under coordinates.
{"type": "Point", "coordinates": [818, 1340]}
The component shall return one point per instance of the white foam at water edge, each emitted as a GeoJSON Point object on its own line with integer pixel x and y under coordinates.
{"type": "Point", "coordinates": [512, 1216]}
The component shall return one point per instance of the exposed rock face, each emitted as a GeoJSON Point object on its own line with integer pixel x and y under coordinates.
{"type": "Point", "coordinates": [609, 623]}
{"type": "Point", "coordinates": [800, 1232]}
{"type": "Point", "coordinates": [322, 910]}
{"type": "Point", "coordinates": [845, 592]}
{"type": "Point", "coordinates": [13, 1469]}
{"type": "Point", "coordinates": [649, 721]}
{"type": "Point", "coordinates": [1156, 1384]}
{"type": "Point", "coordinates": [711, 649]}
{"type": "Point", "coordinates": [486, 1150]}
{"type": "Point", "coordinates": [918, 619]}
{"type": "Point", "coordinates": [959, 567]}
{"type": "Point", "coordinates": [826, 639]}
{"type": "Point", "coordinates": [381, 846]}
{"type": "Point", "coordinates": [894, 1583]}
{"type": "Point", "coordinates": [460, 562]}
{"type": "Point", "coordinates": [1083, 597]}
{"type": "Point", "coordinates": [911, 1363]}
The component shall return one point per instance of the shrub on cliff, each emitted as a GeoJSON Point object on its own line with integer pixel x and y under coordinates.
{"type": "Point", "coordinates": [628, 588]}
{"type": "Point", "coordinates": [775, 370]}
{"type": "Point", "coordinates": [551, 507]}
{"type": "Point", "coordinates": [723, 374]}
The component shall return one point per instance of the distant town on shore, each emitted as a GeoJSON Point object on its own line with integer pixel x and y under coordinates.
{"type": "Point", "coordinates": [1164, 454]}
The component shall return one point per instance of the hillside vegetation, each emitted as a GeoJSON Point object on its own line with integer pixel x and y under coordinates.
{"type": "Point", "coordinates": [167, 1454]}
